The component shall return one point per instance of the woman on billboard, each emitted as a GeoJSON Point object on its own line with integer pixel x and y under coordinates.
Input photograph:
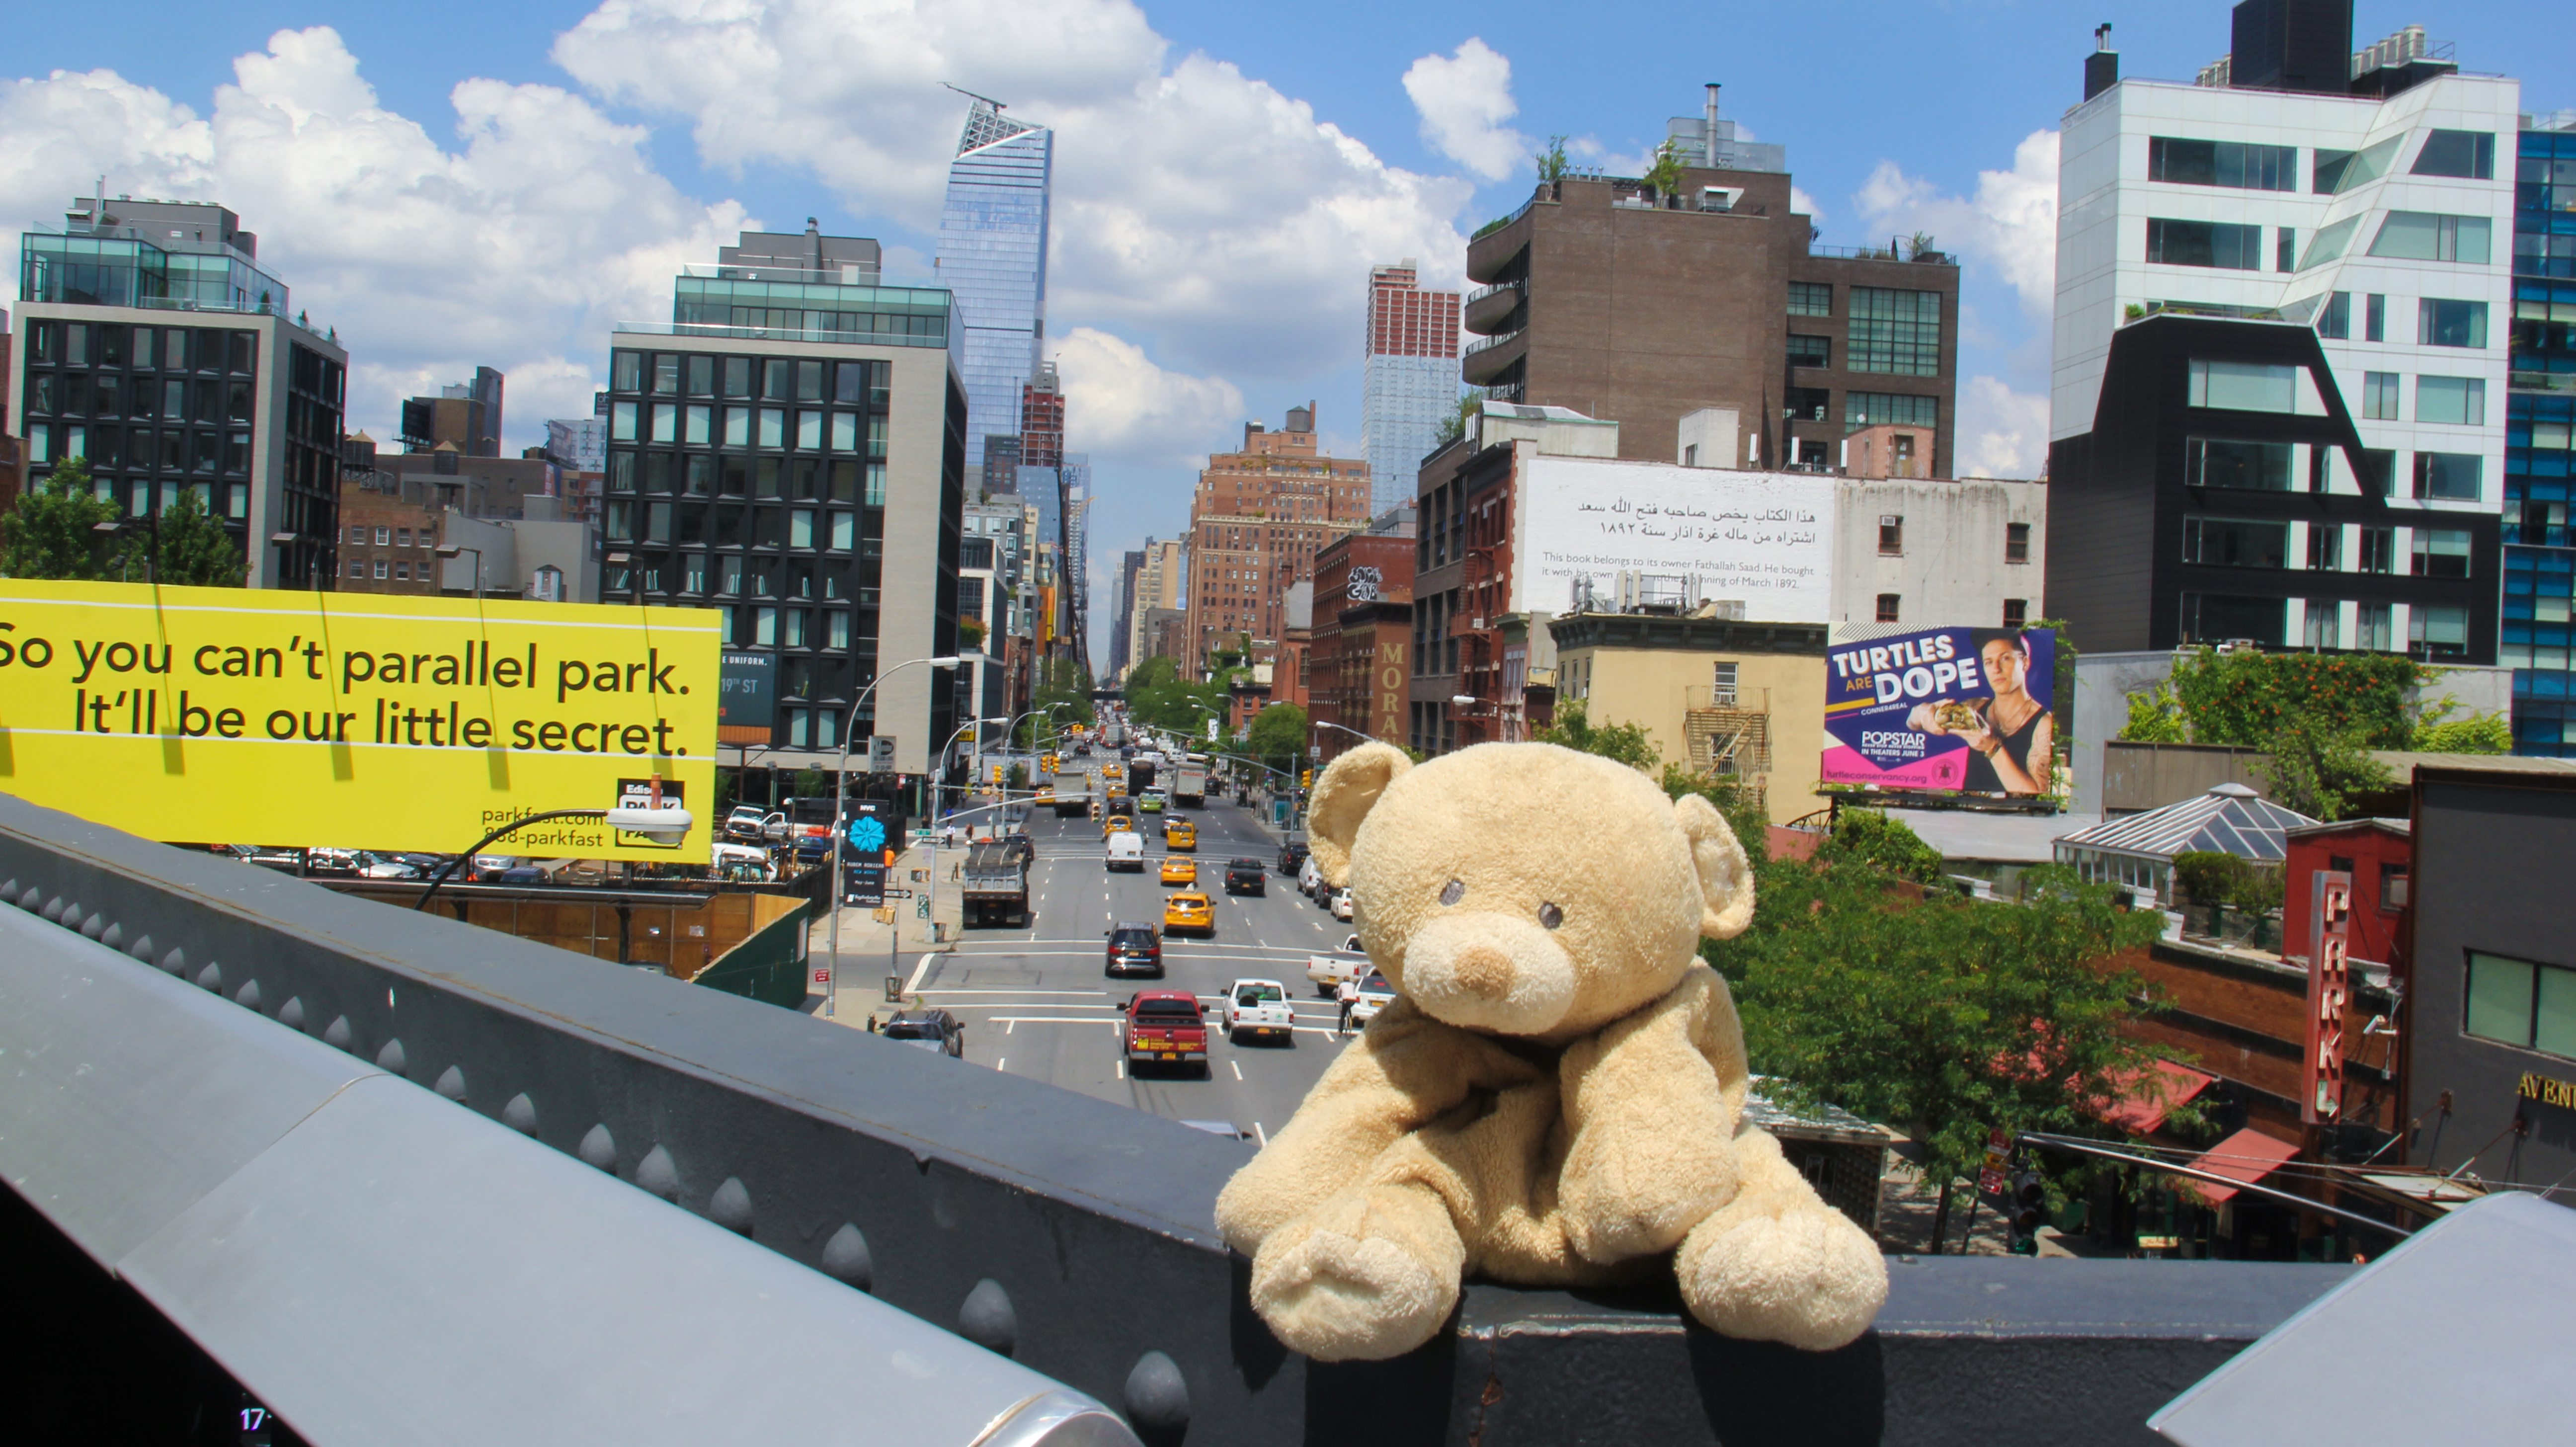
{"type": "Point", "coordinates": [2005, 733]}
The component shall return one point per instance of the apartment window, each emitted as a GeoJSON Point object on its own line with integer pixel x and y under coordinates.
{"type": "Point", "coordinates": [1891, 536]}
{"type": "Point", "coordinates": [2325, 548]}
{"type": "Point", "coordinates": [2249, 466]}
{"type": "Point", "coordinates": [621, 421]}
{"type": "Point", "coordinates": [2340, 171]}
{"type": "Point", "coordinates": [2451, 399]}
{"type": "Point", "coordinates": [2378, 471]}
{"type": "Point", "coordinates": [2016, 612]}
{"type": "Point", "coordinates": [357, 568]}
{"type": "Point", "coordinates": [1721, 690]}
{"type": "Point", "coordinates": [1887, 607]}
{"type": "Point", "coordinates": [1811, 299]}
{"type": "Point", "coordinates": [2374, 318]}
{"type": "Point", "coordinates": [384, 537]}
{"type": "Point", "coordinates": [2379, 393]}
{"type": "Point", "coordinates": [2235, 543]}
{"type": "Point", "coordinates": [402, 572]}
{"type": "Point", "coordinates": [2374, 632]}
{"type": "Point", "coordinates": [2437, 631]}
{"type": "Point", "coordinates": [2451, 476]}
{"type": "Point", "coordinates": [2285, 248]}
{"type": "Point", "coordinates": [1807, 351]}
{"type": "Point", "coordinates": [2378, 550]}
{"type": "Point", "coordinates": [2223, 163]}
{"type": "Point", "coordinates": [2323, 627]}
{"type": "Point", "coordinates": [1894, 331]}
{"type": "Point", "coordinates": [2429, 236]}
{"type": "Point", "coordinates": [666, 372]}
{"type": "Point", "coordinates": [383, 567]}
{"type": "Point", "coordinates": [2334, 319]}
{"type": "Point", "coordinates": [626, 372]}
{"type": "Point", "coordinates": [2392, 887]}
{"type": "Point", "coordinates": [2222, 618]}
{"type": "Point", "coordinates": [357, 536]}
{"type": "Point", "coordinates": [1804, 404]}
{"type": "Point", "coordinates": [2441, 323]}
{"type": "Point", "coordinates": [2441, 553]}
{"type": "Point", "coordinates": [2469, 155]}
{"type": "Point", "coordinates": [2244, 386]}
{"type": "Point", "coordinates": [2016, 542]}
{"type": "Point", "coordinates": [1868, 409]}
{"type": "Point", "coordinates": [2204, 243]}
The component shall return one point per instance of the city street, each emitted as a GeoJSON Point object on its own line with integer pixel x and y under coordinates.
{"type": "Point", "coordinates": [1036, 1002]}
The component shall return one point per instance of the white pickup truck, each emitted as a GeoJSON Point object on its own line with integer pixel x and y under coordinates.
{"type": "Point", "coordinates": [1329, 971]}
{"type": "Point", "coordinates": [1257, 1008]}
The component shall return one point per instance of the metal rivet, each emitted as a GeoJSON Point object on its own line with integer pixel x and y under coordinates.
{"type": "Point", "coordinates": [53, 909]}
{"type": "Point", "coordinates": [248, 995]}
{"type": "Point", "coordinates": [987, 1319]}
{"type": "Point", "coordinates": [659, 1174]}
{"type": "Point", "coordinates": [31, 898]}
{"type": "Point", "coordinates": [1158, 1401]}
{"type": "Point", "coordinates": [291, 1014]}
{"type": "Point", "coordinates": [175, 962]}
{"type": "Point", "coordinates": [211, 977]}
{"type": "Point", "coordinates": [599, 1149]}
{"type": "Point", "coordinates": [338, 1035]}
{"type": "Point", "coordinates": [9, 891]}
{"type": "Point", "coordinates": [113, 937]}
{"type": "Point", "coordinates": [390, 1060]}
{"type": "Point", "coordinates": [142, 949]}
{"type": "Point", "coordinates": [451, 1083]}
{"type": "Point", "coordinates": [846, 1259]}
{"type": "Point", "coordinates": [730, 1206]}
{"type": "Point", "coordinates": [520, 1114]}
{"type": "Point", "coordinates": [94, 926]}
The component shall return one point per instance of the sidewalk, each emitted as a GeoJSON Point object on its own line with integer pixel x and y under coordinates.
{"type": "Point", "coordinates": [871, 951]}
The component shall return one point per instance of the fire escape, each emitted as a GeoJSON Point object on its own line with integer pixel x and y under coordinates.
{"type": "Point", "coordinates": [1480, 653]}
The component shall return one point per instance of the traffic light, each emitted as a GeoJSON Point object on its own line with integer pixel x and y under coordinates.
{"type": "Point", "coordinates": [1306, 780]}
{"type": "Point", "coordinates": [2029, 1213]}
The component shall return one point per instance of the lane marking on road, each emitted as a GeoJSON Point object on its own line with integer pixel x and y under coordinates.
{"type": "Point", "coordinates": [1238, 1069]}
{"type": "Point", "coordinates": [944, 994]}
{"type": "Point", "coordinates": [1010, 1025]}
{"type": "Point", "coordinates": [1051, 1020]}
{"type": "Point", "coordinates": [1001, 1061]}
{"type": "Point", "coordinates": [1122, 1068]}
{"type": "Point", "coordinates": [1261, 1135]}
{"type": "Point", "coordinates": [913, 986]}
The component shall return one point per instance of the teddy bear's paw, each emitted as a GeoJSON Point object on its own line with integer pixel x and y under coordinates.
{"type": "Point", "coordinates": [1366, 1276]}
{"type": "Point", "coordinates": [1797, 1272]}
{"type": "Point", "coordinates": [1620, 1201]}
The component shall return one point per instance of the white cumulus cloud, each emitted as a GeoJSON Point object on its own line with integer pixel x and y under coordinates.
{"type": "Point", "coordinates": [516, 246]}
{"type": "Point", "coordinates": [1119, 404]}
{"type": "Point", "coordinates": [2009, 225]}
{"type": "Point", "coordinates": [1464, 99]}
{"type": "Point", "coordinates": [2002, 433]}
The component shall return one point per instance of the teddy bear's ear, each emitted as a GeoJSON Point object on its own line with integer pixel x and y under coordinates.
{"type": "Point", "coordinates": [1344, 797]}
{"type": "Point", "coordinates": [1725, 875]}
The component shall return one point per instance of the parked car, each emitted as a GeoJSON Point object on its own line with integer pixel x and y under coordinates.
{"type": "Point", "coordinates": [1246, 876]}
{"type": "Point", "coordinates": [1375, 994]}
{"type": "Point", "coordinates": [1134, 949]}
{"type": "Point", "coordinates": [1189, 911]}
{"type": "Point", "coordinates": [1310, 877]}
{"type": "Point", "coordinates": [933, 1030]}
{"type": "Point", "coordinates": [1292, 856]}
{"type": "Point", "coordinates": [1258, 1008]}
{"type": "Point", "coordinates": [1342, 907]}
{"type": "Point", "coordinates": [1164, 1026]}
{"type": "Point", "coordinates": [1331, 970]}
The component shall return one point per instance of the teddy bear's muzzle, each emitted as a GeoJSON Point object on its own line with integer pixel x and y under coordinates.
{"type": "Point", "coordinates": [1489, 972]}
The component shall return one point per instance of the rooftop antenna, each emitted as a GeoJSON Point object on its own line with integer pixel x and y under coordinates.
{"type": "Point", "coordinates": [970, 95]}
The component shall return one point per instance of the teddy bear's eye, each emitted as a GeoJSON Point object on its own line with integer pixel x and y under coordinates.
{"type": "Point", "coordinates": [1550, 915]}
{"type": "Point", "coordinates": [1453, 891]}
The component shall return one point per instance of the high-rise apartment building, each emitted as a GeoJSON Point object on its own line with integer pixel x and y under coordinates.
{"type": "Point", "coordinates": [1628, 304]}
{"type": "Point", "coordinates": [1257, 520]}
{"type": "Point", "coordinates": [1076, 475]}
{"type": "Point", "coordinates": [2277, 409]}
{"type": "Point", "coordinates": [993, 256]}
{"type": "Point", "coordinates": [1160, 588]}
{"type": "Point", "coordinates": [2540, 427]}
{"type": "Point", "coordinates": [1042, 418]}
{"type": "Point", "coordinates": [1130, 564]}
{"type": "Point", "coordinates": [1408, 378]}
{"type": "Point", "coordinates": [149, 341]}
{"type": "Point", "coordinates": [790, 450]}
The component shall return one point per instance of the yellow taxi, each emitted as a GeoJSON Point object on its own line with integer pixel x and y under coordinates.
{"type": "Point", "coordinates": [1190, 912]}
{"type": "Point", "coordinates": [1180, 871]}
{"type": "Point", "coordinates": [1182, 835]}
{"type": "Point", "coordinates": [1117, 824]}
{"type": "Point", "coordinates": [1044, 797]}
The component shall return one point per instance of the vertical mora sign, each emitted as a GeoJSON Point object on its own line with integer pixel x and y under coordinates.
{"type": "Point", "coordinates": [244, 716]}
{"type": "Point", "coordinates": [1946, 710]}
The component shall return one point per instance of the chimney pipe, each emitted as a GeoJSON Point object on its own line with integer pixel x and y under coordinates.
{"type": "Point", "coordinates": [2102, 67]}
{"type": "Point", "coordinates": [1708, 132]}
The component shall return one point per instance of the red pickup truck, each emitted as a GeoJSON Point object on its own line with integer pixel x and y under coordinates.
{"type": "Point", "coordinates": [1165, 1025]}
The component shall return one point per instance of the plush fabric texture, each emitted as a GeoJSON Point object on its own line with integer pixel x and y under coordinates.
{"type": "Point", "coordinates": [1556, 1097]}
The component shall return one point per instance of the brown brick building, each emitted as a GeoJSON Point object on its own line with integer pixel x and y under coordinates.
{"type": "Point", "coordinates": [388, 542]}
{"type": "Point", "coordinates": [1363, 635]}
{"type": "Point", "coordinates": [1257, 520]}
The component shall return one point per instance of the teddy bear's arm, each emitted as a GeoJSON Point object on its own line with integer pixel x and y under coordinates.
{"type": "Point", "coordinates": [1406, 1070]}
{"type": "Point", "coordinates": [1652, 1102]}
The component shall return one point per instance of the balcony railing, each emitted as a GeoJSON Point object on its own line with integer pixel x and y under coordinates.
{"type": "Point", "coordinates": [1497, 289]}
{"type": "Point", "coordinates": [1880, 253]}
{"type": "Point", "coordinates": [1487, 344]}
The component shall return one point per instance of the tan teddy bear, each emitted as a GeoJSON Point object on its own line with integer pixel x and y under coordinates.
{"type": "Point", "coordinates": [1556, 1097]}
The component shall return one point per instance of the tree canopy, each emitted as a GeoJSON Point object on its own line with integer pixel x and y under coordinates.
{"type": "Point", "coordinates": [54, 533]}
{"type": "Point", "coordinates": [1278, 737]}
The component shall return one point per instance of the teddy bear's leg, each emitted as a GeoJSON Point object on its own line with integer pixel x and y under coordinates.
{"type": "Point", "coordinates": [1778, 1264]}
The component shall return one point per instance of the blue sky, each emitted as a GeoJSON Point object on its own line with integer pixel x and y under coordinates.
{"type": "Point", "coordinates": [475, 182]}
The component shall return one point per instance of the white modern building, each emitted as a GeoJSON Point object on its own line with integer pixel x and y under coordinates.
{"type": "Point", "coordinates": [2279, 363]}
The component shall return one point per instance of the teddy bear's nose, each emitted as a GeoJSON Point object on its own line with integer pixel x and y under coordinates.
{"type": "Point", "coordinates": [1484, 972]}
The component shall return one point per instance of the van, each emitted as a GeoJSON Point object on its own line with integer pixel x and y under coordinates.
{"type": "Point", "coordinates": [1127, 851]}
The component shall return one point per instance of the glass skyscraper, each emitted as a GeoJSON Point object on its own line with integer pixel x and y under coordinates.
{"type": "Point", "coordinates": [1409, 382]}
{"type": "Point", "coordinates": [992, 254]}
{"type": "Point", "coordinates": [2540, 416]}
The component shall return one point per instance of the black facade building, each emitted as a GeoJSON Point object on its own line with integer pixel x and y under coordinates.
{"type": "Point", "coordinates": [2200, 507]}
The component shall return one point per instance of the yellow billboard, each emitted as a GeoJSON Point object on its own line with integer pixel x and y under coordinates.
{"type": "Point", "coordinates": [351, 720]}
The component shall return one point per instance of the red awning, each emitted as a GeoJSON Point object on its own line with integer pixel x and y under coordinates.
{"type": "Point", "coordinates": [2248, 1156]}
{"type": "Point", "coordinates": [2149, 1096]}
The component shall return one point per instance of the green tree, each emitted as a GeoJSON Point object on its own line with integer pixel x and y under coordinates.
{"type": "Point", "coordinates": [1062, 685]}
{"type": "Point", "coordinates": [1454, 426]}
{"type": "Point", "coordinates": [1278, 737]}
{"type": "Point", "coordinates": [1627, 743]}
{"type": "Point", "coordinates": [1947, 1017]}
{"type": "Point", "coordinates": [1665, 175]}
{"type": "Point", "coordinates": [191, 548]}
{"type": "Point", "coordinates": [2242, 697]}
{"type": "Point", "coordinates": [53, 531]}
{"type": "Point", "coordinates": [1552, 164]}
{"type": "Point", "coordinates": [2484, 733]}
{"type": "Point", "coordinates": [2320, 767]}
{"type": "Point", "coordinates": [1871, 838]}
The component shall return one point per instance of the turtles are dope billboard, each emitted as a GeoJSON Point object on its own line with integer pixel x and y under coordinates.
{"type": "Point", "coordinates": [1945, 710]}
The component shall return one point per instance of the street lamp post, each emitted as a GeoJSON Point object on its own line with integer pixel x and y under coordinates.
{"type": "Point", "coordinates": [451, 550]}
{"type": "Point", "coordinates": [840, 806]}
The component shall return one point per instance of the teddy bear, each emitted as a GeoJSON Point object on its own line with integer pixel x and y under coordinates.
{"type": "Point", "coordinates": [1556, 1096]}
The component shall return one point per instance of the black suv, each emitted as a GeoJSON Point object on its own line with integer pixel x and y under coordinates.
{"type": "Point", "coordinates": [1244, 876]}
{"type": "Point", "coordinates": [1292, 857]}
{"type": "Point", "coordinates": [1135, 949]}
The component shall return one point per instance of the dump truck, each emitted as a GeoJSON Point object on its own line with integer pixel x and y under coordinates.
{"type": "Point", "coordinates": [996, 875]}
{"type": "Point", "coordinates": [1189, 784]}
{"type": "Point", "coordinates": [1072, 794]}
